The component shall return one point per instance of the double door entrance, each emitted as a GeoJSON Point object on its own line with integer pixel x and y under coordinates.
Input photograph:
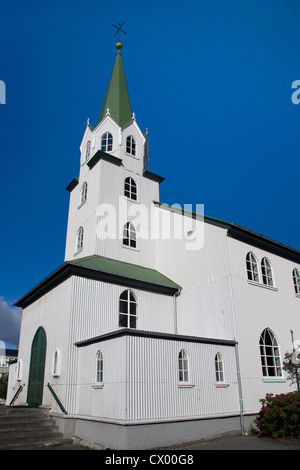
{"type": "Point", "coordinates": [37, 368]}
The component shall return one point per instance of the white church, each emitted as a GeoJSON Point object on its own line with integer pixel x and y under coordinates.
{"type": "Point", "coordinates": [163, 325]}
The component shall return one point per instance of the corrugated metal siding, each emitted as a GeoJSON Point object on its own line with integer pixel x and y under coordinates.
{"type": "Point", "coordinates": [108, 402]}
{"type": "Point", "coordinates": [95, 311]}
{"type": "Point", "coordinates": [258, 307]}
{"type": "Point", "coordinates": [153, 391]}
{"type": "Point", "coordinates": [207, 310]}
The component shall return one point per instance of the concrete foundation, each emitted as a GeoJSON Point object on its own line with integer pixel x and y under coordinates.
{"type": "Point", "coordinates": [138, 436]}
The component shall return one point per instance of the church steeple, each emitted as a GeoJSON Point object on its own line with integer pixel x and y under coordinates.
{"type": "Point", "coordinates": [113, 173]}
{"type": "Point", "coordinates": [116, 98]}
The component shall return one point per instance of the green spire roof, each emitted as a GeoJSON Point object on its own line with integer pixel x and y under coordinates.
{"type": "Point", "coordinates": [116, 97]}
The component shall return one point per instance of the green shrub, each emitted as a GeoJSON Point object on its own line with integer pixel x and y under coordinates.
{"type": "Point", "coordinates": [279, 416]}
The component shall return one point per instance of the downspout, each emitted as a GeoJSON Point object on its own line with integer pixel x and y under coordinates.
{"type": "Point", "coordinates": [237, 359]}
{"type": "Point", "coordinates": [240, 388]}
{"type": "Point", "coordinates": [175, 310]}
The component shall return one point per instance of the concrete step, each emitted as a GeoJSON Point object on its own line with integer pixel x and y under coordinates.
{"type": "Point", "coordinates": [26, 428]}
{"type": "Point", "coordinates": [24, 425]}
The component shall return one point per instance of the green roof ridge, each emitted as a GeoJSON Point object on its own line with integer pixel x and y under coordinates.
{"type": "Point", "coordinates": [116, 97]}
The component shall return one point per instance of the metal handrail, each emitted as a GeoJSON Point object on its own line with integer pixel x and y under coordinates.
{"type": "Point", "coordinates": [57, 399]}
{"type": "Point", "coordinates": [16, 395]}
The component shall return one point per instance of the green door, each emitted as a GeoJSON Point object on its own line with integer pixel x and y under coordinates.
{"type": "Point", "coordinates": [37, 368]}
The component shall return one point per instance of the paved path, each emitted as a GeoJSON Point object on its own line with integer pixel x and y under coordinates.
{"type": "Point", "coordinates": [224, 442]}
{"type": "Point", "coordinates": [240, 443]}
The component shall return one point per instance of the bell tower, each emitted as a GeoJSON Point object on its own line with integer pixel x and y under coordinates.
{"type": "Point", "coordinates": [114, 183]}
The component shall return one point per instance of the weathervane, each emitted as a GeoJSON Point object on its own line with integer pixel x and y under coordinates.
{"type": "Point", "coordinates": [119, 31]}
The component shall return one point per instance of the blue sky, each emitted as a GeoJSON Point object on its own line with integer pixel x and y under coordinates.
{"type": "Point", "coordinates": [211, 80]}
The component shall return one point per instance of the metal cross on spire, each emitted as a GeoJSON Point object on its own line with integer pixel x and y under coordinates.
{"type": "Point", "coordinates": [119, 30]}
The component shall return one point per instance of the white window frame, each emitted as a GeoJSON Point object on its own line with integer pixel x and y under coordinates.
{"type": "Point", "coordinates": [99, 368]}
{"type": "Point", "coordinates": [219, 368]}
{"type": "Point", "coordinates": [56, 363]}
{"type": "Point", "coordinates": [183, 368]}
{"type": "Point", "coordinates": [128, 307]}
{"type": "Point", "coordinates": [270, 355]}
{"type": "Point", "coordinates": [83, 194]}
{"type": "Point", "coordinates": [252, 267]}
{"type": "Point", "coordinates": [19, 370]}
{"type": "Point", "coordinates": [267, 272]}
{"type": "Point", "coordinates": [87, 151]}
{"type": "Point", "coordinates": [79, 240]}
{"type": "Point", "coordinates": [129, 236]}
{"type": "Point", "coordinates": [296, 280]}
{"type": "Point", "coordinates": [131, 146]}
{"type": "Point", "coordinates": [130, 189]}
{"type": "Point", "coordinates": [107, 142]}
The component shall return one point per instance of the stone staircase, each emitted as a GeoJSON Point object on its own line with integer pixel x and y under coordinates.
{"type": "Point", "coordinates": [27, 428]}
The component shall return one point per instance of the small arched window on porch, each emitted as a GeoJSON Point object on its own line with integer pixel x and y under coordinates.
{"type": "Point", "coordinates": [219, 367]}
{"type": "Point", "coordinates": [99, 367]}
{"type": "Point", "coordinates": [56, 366]}
{"type": "Point", "coordinates": [183, 366]}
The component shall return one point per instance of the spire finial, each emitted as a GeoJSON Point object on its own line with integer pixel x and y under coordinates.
{"type": "Point", "coordinates": [119, 45]}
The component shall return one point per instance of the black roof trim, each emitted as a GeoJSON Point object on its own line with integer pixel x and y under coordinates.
{"type": "Point", "coordinates": [69, 269]}
{"type": "Point", "coordinates": [151, 334]}
{"type": "Point", "coordinates": [260, 241]}
{"type": "Point", "coordinates": [73, 184]}
{"type": "Point", "coordinates": [152, 176]}
{"type": "Point", "coordinates": [100, 155]}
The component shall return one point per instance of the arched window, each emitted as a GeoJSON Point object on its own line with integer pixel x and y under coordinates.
{"type": "Point", "coordinates": [269, 353]}
{"type": "Point", "coordinates": [130, 189]}
{"type": "Point", "coordinates": [106, 142]}
{"type": "Point", "coordinates": [252, 268]}
{"type": "Point", "coordinates": [79, 244]}
{"type": "Point", "coordinates": [19, 370]}
{"type": "Point", "coordinates": [296, 279]}
{"type": "Point", "coordinates": [83, 193]}
{"type": "Point", "coordinates": [129, 235]}
{"type": "Point", "coordinates": [56, 363]}
{"type": "Point", "coordinates": [87, 150]}
{"type": "Point", "coordinates": [99, 367]}
{"type": "Point", "coordinates": [183, 366]}
{"type": "Point", "coordinates": [267, 276]}
{"type": "Point", "coordinates": [219, 367]}
{"type": "Point", "coordinates": [130, 145]}
{"type": "Point", "coordinates": [127, 310]}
